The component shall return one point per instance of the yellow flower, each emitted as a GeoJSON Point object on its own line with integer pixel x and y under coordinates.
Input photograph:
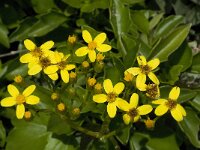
{"type": "Point", "coordinates": [54, 96]}
{"type": "Point", "coordinates": [149, 123]}
{"type": "Point", "coordinates": [177, 111]}
{"type": "Point", "coordinates": [98, 87]}
{"type": "Point", "coordinates": [72, 75]}
{"type": "Point", "coordinates": [61, 107]}
{"type": "Point", "coordinates": [18, 79]}
{"type": "Point", "coordinates": [91, 81]}
{"type": "Point", "coordinates": [62, 65]}
{"type": "Point", "coordinates": [27, 115]}
{"type": "Point", "coordinates": [111, 96]}
{"type": "Point", "coordinates": [96, 44]}
{"type": "Point", "coordinates": [100, 57]}
{"type": "Point", "coordinates": [133, 112]}
{"type": "Point", "coordinates": [20, 99]}
{"type": "Point", "coordinates": [128, 77]}
{"type": "Point", "coordinates": [35, 52]}
{"type": "Point", "coordinates": [85, 64]}
{"type": "Point", "coordinates": [145, 69]}
{"type": "Point", "coordinates": [71, 39]}
{"type": "Point", "coordinates": [152, 90]}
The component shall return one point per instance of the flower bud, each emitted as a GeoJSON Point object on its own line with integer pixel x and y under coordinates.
{"type": "Point", "coordinates": [85, 64]}
{"type": "Point", "coordinates": [72, 39]}
{"type": "Point", "coordinates": [149, 123]}
{"type": "Point", "coordinates": [54, 96]}
{"type": "Point", "coordinates": [27, 115]}
{"type": "Point", "coordinates": [18, 79]}
{"type": "Point", "coordinates": [61, 107]}
{"type": "Point", "coordinates": [91, 81]}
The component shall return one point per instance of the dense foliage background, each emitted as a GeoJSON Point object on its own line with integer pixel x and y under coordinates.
{"type": "Point", "coordinates": [164, 29]}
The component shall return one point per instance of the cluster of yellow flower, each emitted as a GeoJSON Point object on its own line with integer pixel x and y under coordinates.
{"type": "Point", "coordinates": [42, 58]}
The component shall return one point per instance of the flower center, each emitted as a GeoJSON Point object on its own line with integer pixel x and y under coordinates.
{"type": "Point", "coordinates": [45, 62]}
{"type": "Point", "coordinates": [62, 65]}
{"type": "Point", "coordinates": [133, 113]}
{"type": "Point", "coordinates": [92, 45]}
{"type": "Point", "coordinates": [145, 69]}
{"type": "Point", "coordinates": [20, 99]}
{"type": "Point", "coordinates": [171, 104]}
{"type": "Point", "coordinates": [152, 91]}
{"type": "Point", "coordinates": [111, 97]}
{"type": "Point", "coordinates": [37, 52]}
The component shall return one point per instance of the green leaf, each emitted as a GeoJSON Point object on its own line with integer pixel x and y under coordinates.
{"type": "Point", "coordinates": [42, 6]}
{"type": "Point", "coordinates": [47, 23]}
{"type": "Point", "coordinates": [74, 3]}
{"type": "Point", "coordinates": [155, 20]}
{"type": "Point", "coordinates": [4, 36]}
{"type": "Point", "coordinates": [196, 102]}
{"type": "Point", "coordinates": [164, 143]}
{"type": "Point", "coordinates": [174, 73]}
{"type": "Point", "coordinates": [120, 21]}
{"type": "Point", "coordinates": [138, 141]}
{"type": "Point", "coordinates": [170, 43]}
{"type": "Point", "coordinates": [23, 30]}
{"type": "Point", "coordinates": [2, 135]}
{"type": "Point", "coordinates": [167, 25]}
{"type": "Point", "coordinates": [190, 126]}
{"type": "Point", "coordinates": [196, 64]}
{"type": "Point", "coordinates": [123, 135]}
{"type": "Point", "coordinates": [89, 7]}
{"type": "Point", "coordinates": [21, 70]}
{"type": "Point", "coordinates": [142, 23]}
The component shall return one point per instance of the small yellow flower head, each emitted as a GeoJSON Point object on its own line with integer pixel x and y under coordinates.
{"type": "Point", "coordinates": [98, 87]}
{"type": "Point", "coordinates": [111, 97]}
{"type": "Point", "coordinates": [171, 104]}
{"type": "Point", "coordinates": [54, 96]}
{"type": "Point", "coordinates": [20, 99]}
{"type": "Point", "coordinates": [128, 77]}
{"type": "Point", "coordinates": [61, 107]}
{"type": "Point", "coordinates": [153, 91]}
{"type": "Point", "coordinates": [85, 64]}
{"type": "Point", "coordinates": [100, 57]}
{"type": "Point", "coordinates": [27, 115]}
{"type": "Point", "coordinates": [93, 45]}
{"type": "Point", "coordinates": [145, 69]}
{"type": "Point", "coordinates": [72, 75]}
{"type": "Point", "coordinates": [133, 111]}
{"type": "Point", "coordinates": [149, 123]}
{"type": "Point", "coordinates": [18, 79]}
{"type": "Point", "coordinates": [91, 81]}
{"type": "Point", "coordinates": [76, 111]}
{"type": "Point", "coordinates": [72, 39]}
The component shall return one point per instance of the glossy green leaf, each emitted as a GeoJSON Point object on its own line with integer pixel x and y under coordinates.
{"type": "Point", "coordinates": [167, 25]}
{"type": "Point", "coordinates": [4, 36]}
{"type": "Point", "coordinates": [123, 135]}
{"type": "Point", "coordinates": [164, 143]}
{"type": "Point", "coordinates": [23, 30]}
{"type": "Point", "coordinates": [74, 3]}
{"type": "Point", "coordinates": [42, 6]}
{"type": "Point", "coordinates": [155, 20]}
{"type": "Point", "coordinates": [120, 21]}
{"type": "Point", "coordinates": [190, 126]}
{"type": "Point", "coordinates": [196, 102]}
{"type": "Point", "coordinates": [196, 64]}
{"type": "Point", "coordinates": [142, 23]}
{"type": "Point", "coordinates": [170, 43]}
{"type": "Point", "coordinates": [46, 23]}
{"type": "Point", "coordinates": [89, 7]}
{"type": "Point", "coordinates": [138, 141]}
{"type": "Point", "coordinates": [2, 135]}
{"type": "Point", "coordinates": [21, 70]}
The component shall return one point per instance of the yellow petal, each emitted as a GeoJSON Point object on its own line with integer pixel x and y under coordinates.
{"type": "Point", "coordinates": [34, 69]}
{"type": "Point", "coordinates": [32, 100]}
{"type": "Point", "coordinates": [53, 76]}
{"type": "Point", "coordinates": [111, 109]}
{"type": "Point", "coordinates": [144, 109]}
{"type": "Point", "coordinates": [29, 90]}
{"type": "Point", "coordinates": [86, 36]}
{"type": "Point", "coordinates": [153, 78]}
{"type": "Point", "coordinates": [92, 55]}
{"type": "Point", "coordinates": [176, 114]}
{"type": "Point", "coordinates": [122, 104]}
{"type": "Point", "coordinates": [26, 58]}
{"type": "Point", "coordinates": [8, 102]}
{"type": "Point", "coordinates": [126, 119]}
{"type": "Point", "coordinates": [141, 60]}
{"type": "Point", "coordinates": [174, 93]}
{"type": "Point", "coordinates": [108, 86]}
{"type": "Point", "coordinates": [153, 63]}
{"type": "Point", "coordinates": [13, 91]}
{"type": "Point", "coordinates": [103, 47]}
{"type": "Point", "coordinates": [51, 69]}
{"type": "Point", "coordinates": [64, 76]}
{"type": "Point", "coordinates": [134, 100]}
{"type": "Point", "coordinates": [29, 44]}
{"type": "Point", "coordinates": [118, 88]}
{"type": "Point", "coordinates": [181, 109]}
{"type": "Point", "coordinates": [58, 56]}
{"type": "Point", "coordinates": [140, 80]}
{"type": "Point", "coordinates": [134, 70]}
{"type": "Point", "coordinates": [159, 101]}
{"type": "Point", "coordinates": [70, 66]}
{"type": "Point", "coordinates": [100, 98]}
{"type": "Point", "coordinates": [142, 87]}
{"type": "Point", "coordinates": [20, 111]}
{"type": "Point", "coordinates": [82, 51]}
{"type": "Point", "coordinates": [161, 110]}
{"type": "Point", "coordinates": [100, 38]}
{"type": "Point", "coordinates": [136, 118]}
{"type": "Point", "coordinates": [47, 45]}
